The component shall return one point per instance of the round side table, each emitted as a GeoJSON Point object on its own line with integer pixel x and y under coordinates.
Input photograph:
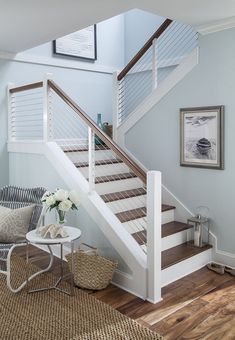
{"type": "Point", "coordinates": [33, 238]}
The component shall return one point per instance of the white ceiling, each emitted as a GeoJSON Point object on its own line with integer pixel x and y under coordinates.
{"type": "Point", "coordinates": [28, 23]}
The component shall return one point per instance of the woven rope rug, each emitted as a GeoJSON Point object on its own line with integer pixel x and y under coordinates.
{"type": "Point", "coordinates": [51, 315]}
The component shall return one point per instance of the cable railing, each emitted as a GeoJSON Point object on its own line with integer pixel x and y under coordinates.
{"type": "Point", "coordinates": [106, 167]}
{"type": "Point", "coordinates": [26, 108]}
{"type": "Point", "coordinates": [161, 54]}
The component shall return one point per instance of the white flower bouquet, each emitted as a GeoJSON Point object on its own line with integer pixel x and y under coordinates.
{"type": "Point", "coordinates": [62, 201]}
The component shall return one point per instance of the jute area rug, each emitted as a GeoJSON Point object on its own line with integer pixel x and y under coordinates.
{"type": "Point", "coordinates": [51, 315]}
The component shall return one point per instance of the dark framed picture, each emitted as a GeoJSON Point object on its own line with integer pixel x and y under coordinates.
{"type": "Point", "coordinates": [80, 44]}
{"type": "Point", "coordinates": [202, 137]}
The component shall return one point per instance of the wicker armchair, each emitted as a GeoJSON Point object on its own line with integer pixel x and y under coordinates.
{"type": "Point", "coordinates": [15, 197]}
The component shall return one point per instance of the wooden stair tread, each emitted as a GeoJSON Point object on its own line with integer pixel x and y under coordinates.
{"type": "Point", "coordinates": [174, 227]}
{"type": "Point", "coordinates": [116, 196]}
{"type": "Point", "coordinates": [180, 253]}
{"type": "Point", "coordinates": [167, 230]}
{"type": "Point", "coordinates": [83, 148]}
{"type": "Point", "coordinates": [134, 214]}
{"type": "Point", "coordinates": [111, 178]}
{"type": "Point", "coordinates": [166, 207]}
{"type": "Point", "coordinates": [101, 162]}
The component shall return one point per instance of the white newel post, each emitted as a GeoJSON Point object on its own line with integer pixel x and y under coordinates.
{"type": "Point", "coordinates": [154, 64]}
{"type": "Point", "coordinates": [115, 105]}
{"type": "Point", "coordinates": [154, 203]}
{"type": "Point", "coordinates": [47, 109]}
{"type": "Point", "coordinates": [10, 103]}
{"type": "Point", "coordinates": [91, 159]}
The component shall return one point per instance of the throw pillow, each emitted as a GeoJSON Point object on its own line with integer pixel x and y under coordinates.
{"type": "Point", "coordinates": [14, 223]}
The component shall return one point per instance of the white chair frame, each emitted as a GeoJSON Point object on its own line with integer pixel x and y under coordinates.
{"type": "Point", "coordinates": [22, 197]}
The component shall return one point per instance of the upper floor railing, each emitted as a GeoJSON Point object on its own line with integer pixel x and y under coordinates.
{"type": "Point", "coordinates": [160, 55]}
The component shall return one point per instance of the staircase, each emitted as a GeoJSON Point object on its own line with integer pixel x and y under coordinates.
{"type": "Point", "coordinates": [125, 195]}
{"type": "Point", "coordinates": [123, 199]}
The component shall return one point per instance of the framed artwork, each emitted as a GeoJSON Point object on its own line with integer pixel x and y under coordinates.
{"type": "Point", "coordinates": [80, 44]}
{"type": "Point", "coordinates": [202, 137]}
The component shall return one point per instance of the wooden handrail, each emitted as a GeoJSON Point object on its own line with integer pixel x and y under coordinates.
{"type": "Point", "coordinates": [108, 141]}
{"type": "Point", "coordinates": [26, 87]}
{"type": "Point", "coordinates": [144, 49]}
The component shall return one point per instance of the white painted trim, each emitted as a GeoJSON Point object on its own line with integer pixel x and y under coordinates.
{"type": "Point", "coordinates": [164, 87]}
{"type": "Point", "coordinates": [47, 61]}
{"type": "Point", "coordinates": [125, 281]}
{"type": "Point", "coordinates": [154, 238]}
{"type": "Point", "coordinates": [216, 26]}
{"type": "Point", "coordinates": [221, 256]}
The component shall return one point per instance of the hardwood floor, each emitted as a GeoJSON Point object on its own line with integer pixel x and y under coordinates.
{"type": "Point", "coordinates": [198, 306]}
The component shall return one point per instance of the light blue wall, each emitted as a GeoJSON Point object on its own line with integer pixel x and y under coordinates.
{"type": "Point", "coordinates": [139, 26]}
{"type": "Point", "coordinates": [110, 45]}
{"type": "Point", "coordinates": [35, 170]}
{"type": "Point", "coordinates": [155, 138]}
{"type": "Point", "coordinates": [92, 90]}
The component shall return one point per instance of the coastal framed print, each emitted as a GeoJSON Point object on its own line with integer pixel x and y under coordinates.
{"type": "Point", "coordinates": [202, 137]}
{"type": "Point", "coordinates": [80, 44]}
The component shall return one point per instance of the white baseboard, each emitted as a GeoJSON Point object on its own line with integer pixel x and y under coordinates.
{"type": "Point", "coordinates": [125, 282]}
{"type": "Point", "coordinates": [221, 256]}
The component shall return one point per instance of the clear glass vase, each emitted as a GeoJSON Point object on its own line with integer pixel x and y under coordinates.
{"type": "Point", "coordinates": [60, 217]}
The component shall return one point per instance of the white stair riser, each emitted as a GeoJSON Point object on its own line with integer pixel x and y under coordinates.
{"type": "Point", "coordinates": [176, 239]}
{"type": "Point", "coordinates": [82, 156]}
{"type": "Point", "coordinates": [168, 216]}
{"type": "Point", "coordinates": [106, 170]}
{"type": "Point", "coordinates": [116, 186]}
{"type": "Point", "coordinates": [127, 204]}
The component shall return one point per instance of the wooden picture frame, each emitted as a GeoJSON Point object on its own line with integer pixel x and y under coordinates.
{"type": "Point", "coordinates": [81, 44]}
{"type": "Point", "coordinates": [202, 137]}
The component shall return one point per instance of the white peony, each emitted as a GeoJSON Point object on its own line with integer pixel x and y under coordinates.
{"type": "Point", "coordinates": [65, 205]}
{"type": "Point", "coordinates": [61, 195]}
{"type": "Point", "coordinates": [50, 200]}
{"type": "Point", "coordinates": [73, 196]}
